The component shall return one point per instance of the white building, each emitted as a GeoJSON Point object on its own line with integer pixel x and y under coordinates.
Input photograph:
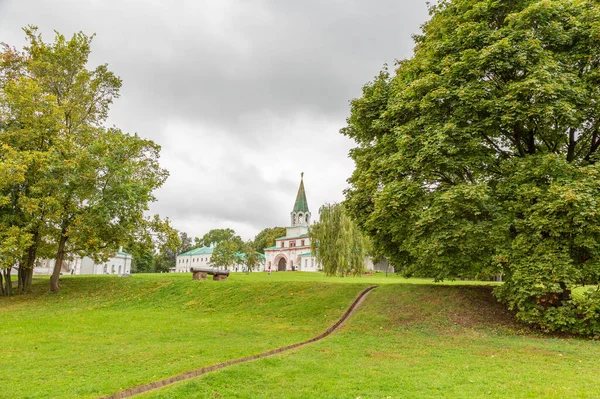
{"type": "Point", "coordinates": [292, 252]}
{"type": "Point", "coordinates": [197, 257]}
{"type": "Point", "coordinates": [120, 263]}
{"type": "Point", "coordinates": [200, 257]}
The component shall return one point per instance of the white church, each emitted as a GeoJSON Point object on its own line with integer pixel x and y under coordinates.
{"type": "Point", "coordinates": [292, 252]}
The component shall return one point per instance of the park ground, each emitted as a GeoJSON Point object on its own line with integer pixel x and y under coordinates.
{"type": "Point", "coordinates": [409, 339]}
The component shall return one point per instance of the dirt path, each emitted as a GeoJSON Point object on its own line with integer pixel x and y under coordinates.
{"type": "Point", "coordinates": [196, 373]}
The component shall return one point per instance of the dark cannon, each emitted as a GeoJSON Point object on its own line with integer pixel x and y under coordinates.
{"type": "Point", "coordinates": [199, 273]}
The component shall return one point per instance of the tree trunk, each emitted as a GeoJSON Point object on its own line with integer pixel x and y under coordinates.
{"type": "Point", "coordinates": [20, 282]}
{"type": "Point", "coordinates": [31, 256]}
{"type": "Point", "coordinates": [8, 282]}
{"type": "Point", "coordinates": [60, 255]}
{"type": "Point", "coordinates": [1, 284]}
{"type": "Point", "coordinates": [25, 274]}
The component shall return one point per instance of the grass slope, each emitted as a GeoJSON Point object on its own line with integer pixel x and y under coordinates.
{"type": "Point", "coordinates": [416, 341]}
{"type": "Point", "coordinates": [102, 334]}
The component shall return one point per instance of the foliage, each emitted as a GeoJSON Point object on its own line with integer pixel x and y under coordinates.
{"type": "Point", "coordinates": [337, 243]}
{"type": "Point", "coordinates": [266, 238]}
{"type": "Point", "coordinates": [215, 236]}
{"type": "Point", "coordinates": [251, 257]}
{"type": "Point", "coordinates": [177, 243]}
{"type": "Point", "coordinates": [74, 186]}
{"type": "Point", "coordinates": [226, 253]}
{"type": "Point", "coordinates": [479, 155]}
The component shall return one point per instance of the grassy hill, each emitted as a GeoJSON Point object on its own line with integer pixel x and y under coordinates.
{"type": "Point", "coordinates": [103, 334]}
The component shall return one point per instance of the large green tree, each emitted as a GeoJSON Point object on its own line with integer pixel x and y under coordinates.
{"type": "Point", "coordinates": [29, 129]}
{"type": "Point", "coordinates": [81, 188]}
{"type": "Point", "coordinates": [337, 242]}
{"type": "Point", "coordinates": [479, 154]}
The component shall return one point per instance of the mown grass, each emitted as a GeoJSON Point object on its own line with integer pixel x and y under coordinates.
{"type": "Point", "coordinates": [410, 339]}
{"type": "Point", "coordinates": [416, 341]}
{"type": "Point", "coordinates": [102, 334]}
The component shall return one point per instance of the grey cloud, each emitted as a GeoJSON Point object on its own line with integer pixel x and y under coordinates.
{"type": "Point", "coordinates": [242, 95]}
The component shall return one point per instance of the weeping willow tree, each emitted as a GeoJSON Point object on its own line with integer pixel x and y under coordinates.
{"type": "Point", "coordinates": [337, 243]}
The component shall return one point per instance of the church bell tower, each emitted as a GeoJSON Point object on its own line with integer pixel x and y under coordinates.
{"type": "Point", "coordinates": [300, 215]}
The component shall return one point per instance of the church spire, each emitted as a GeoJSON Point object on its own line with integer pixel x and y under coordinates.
{"type": "Point", "coordinates": [301, 205]}
{"type": "Point", "coordinates": [300, 213]}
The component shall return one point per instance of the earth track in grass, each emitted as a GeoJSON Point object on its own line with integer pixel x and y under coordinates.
{"type": "Point", "coordinates": [197, 373]}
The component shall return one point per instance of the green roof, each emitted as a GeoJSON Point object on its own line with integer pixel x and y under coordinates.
{"type": "Point", "coordinates": [301, 205]}
{"type": "Point", "coordinates": [123, 253]}
{"type": "Point", "coordinates": [306, 254]}
{"type": "Point", "coordinates": [198, 251]}
{"type": "Point", "coordinates": [273, 247]}
{"type": "Point", "coordinates": [300, 236]}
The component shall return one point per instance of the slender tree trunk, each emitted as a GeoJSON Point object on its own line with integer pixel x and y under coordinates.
{"type": "Point", "coordinates": [25, 275]}
{"type": "Point", "coordinates": [1, 284]}
{"type": "Point", "coordinates": [60, 255]}
{"type": "Point", "coordinates": [8, 282]}
{"type": "Point", "coordinates": [20, 282]}
{"type": "Point", "coordinates": [31, 257]}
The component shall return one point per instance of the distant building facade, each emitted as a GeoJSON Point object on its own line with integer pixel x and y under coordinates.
{"type": "Point", "coordinates": [197, 257]}
{"type": "Point", "coordinates": [201, 257]}
{"type": "Point", "coordinates": [120, 263]}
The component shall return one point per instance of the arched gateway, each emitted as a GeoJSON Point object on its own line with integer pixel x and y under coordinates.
{"type": "Point", "coordinates": [281, 265]}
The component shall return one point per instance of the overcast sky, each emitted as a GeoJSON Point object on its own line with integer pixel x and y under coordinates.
{"type": "Point", "coordinates": [242, 95]}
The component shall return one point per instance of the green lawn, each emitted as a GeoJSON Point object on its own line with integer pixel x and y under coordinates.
{"type": "Point", "coordinates": [104, 333]}
{"type": "Point", "coordinates": [410, 339]}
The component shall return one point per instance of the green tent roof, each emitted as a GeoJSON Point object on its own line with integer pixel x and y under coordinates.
{"type": "Point", "coordinates": [198, 251]}
{"type": "Point", "coordinates": [301, 205]}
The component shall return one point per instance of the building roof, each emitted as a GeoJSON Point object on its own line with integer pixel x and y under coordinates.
{"type": "Point", "coordinates": [289, 238]}
{"type": "Point", "coordinates": [306, 254]}
{"type": "Point", "coordinates": [123, 254]}
{"type": "Point", "coordinates": [198, 251]}
{"type": "Point", "coordinates": [301, 205]}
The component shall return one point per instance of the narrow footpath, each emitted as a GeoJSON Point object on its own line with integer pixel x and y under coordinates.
{"type": "Point", "coordinates": [127, 393]}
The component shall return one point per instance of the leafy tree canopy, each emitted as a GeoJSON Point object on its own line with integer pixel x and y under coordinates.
{"type": "Point", "coordinates": [227, 253]}
{"type": "Point", "coordinates": [215, 236]}
{"type": "Point", "coordinates": [479, 155]}
{"type": "Point", "coordinates": [338, 244]}
{"type": "Point", "coordinates": [266, 238]}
